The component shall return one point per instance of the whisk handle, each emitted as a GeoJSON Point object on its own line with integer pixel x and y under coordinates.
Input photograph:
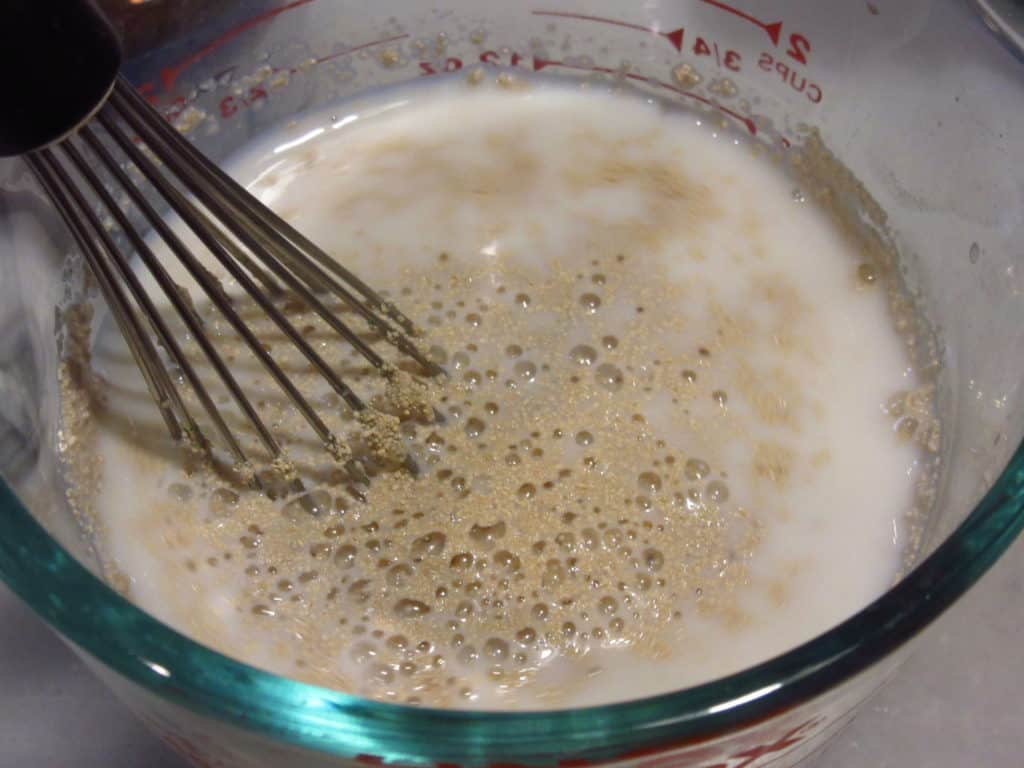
{"type": "Point", "coordinates": [58, 59]}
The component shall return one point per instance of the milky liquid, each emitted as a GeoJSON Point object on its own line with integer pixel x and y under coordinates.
{"type": "Point", "coordinates": [692, 349]}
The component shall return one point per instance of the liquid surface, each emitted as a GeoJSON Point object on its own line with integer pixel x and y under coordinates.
{"type": "Point", "coordinates": [665, 453]}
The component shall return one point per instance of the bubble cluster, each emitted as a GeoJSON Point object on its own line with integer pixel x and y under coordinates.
{"type": "Point", "coordinates": [553, 510]}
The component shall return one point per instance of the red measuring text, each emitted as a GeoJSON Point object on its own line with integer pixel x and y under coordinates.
{"type": "Point", "coordinates": [791, 77]}
{"type": "Point", "coordinates": [229, 105]}
{"type": "Point", "coordinates": [724, 57]}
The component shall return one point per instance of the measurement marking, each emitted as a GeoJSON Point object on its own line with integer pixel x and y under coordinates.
{"type": "Point", "coordinates": [169, 75]}
{"type": "Point", "coordinates": [347, 51]}
{"type": "Point", "coordinates": [746, 121]}
{"type": "Point", "coordinates": [539, 64]}
{"type": "Point", "coordinates": [675, 37]}
{"type": "Point", "coordinates": [229, 105]}
{"type": "Point", "coordinates": [774, 29]}
{"type": "Point", "coordinates": [718, 58]}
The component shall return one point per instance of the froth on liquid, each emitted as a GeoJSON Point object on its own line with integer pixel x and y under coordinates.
{"type": "Point", "coordinates": [665, 454]}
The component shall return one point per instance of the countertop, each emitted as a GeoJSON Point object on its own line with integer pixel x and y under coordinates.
{"type": "Point", "coordinates": [957, 702]}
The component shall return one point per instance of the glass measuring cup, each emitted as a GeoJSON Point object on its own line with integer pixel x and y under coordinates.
{"type": "Point", "coordinates": [928, 134]}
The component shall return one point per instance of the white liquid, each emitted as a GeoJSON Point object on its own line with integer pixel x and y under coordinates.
{"type": "Point", "coordinates": [514, 178]}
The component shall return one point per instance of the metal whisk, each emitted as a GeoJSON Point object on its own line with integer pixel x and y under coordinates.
{"type": "Point", "coordinates": [262, 253]}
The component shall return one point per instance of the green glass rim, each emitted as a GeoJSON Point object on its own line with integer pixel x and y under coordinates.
{"type": "Point", "coordinates": [152, 655]}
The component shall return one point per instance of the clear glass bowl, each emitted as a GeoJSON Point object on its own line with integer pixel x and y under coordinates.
{"type": "Point", "coordinates": [917, 100]}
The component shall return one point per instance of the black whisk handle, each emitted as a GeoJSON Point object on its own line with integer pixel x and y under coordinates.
{"type": "Point", "coordinates": [58, 60]}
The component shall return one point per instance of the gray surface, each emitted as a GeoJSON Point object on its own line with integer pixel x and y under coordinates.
{"type": "Point", "coordinates": [956, 702]}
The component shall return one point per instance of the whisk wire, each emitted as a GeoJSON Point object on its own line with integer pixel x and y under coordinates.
{"type": "Point", "coordinates": [162, 390]}
{"type": "Point", "coordinates": [265, 256]}
{"type": "Point", "coordinates": [251, 223]}
{"type": "Point", "coordinates": [269, 284]}
{"type": "Point", "coordinates": [214, 242]}
{"type": "Point", "coordinates": [238, 221]}
{"type": "Point", "coordinates": [188, 213]}
{"type": "Point", "coordinates": [272, 225]}
{"type": "Point", "coordinates": [174, 295]}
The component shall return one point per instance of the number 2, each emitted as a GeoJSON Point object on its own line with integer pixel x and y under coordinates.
{"type": "Point", "coordinates": [799, 47]}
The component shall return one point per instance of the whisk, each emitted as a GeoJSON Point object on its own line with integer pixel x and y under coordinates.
{"type": "Point", "coordinates": [85, 172]}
